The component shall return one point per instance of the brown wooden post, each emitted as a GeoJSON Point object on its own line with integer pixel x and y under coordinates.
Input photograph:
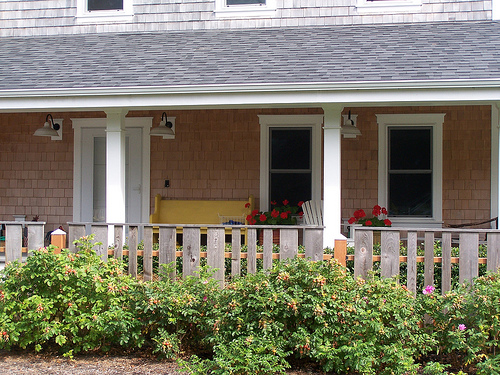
{"type": "Point", "coordinates": [340, 251]}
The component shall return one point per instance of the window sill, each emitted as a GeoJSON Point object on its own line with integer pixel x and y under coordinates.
{"type": "Point", "coordinates": [388, 6]}
{"type": "Point", "coordinates": [104, 17]}
{"type": "Point", "coordinates": [245, 12]}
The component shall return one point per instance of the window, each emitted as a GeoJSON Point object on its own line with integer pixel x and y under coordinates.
{"type": "Point", "coordinates": [410, 171]}
{"type": "Point", "coordinates": [290, 168]}
{"type": "Point", "coordinates": [290, 158]}
{"type": "Point", "coordinates": [245, 8]}
{"type": "Point", "coordinates": [104, 10]}
{"type": "Point", "coordinates": [410, 167]}
{"type": "Point", "coordinates": [93, 5]}
{"type": "Point", "coordinates": [245, 2]}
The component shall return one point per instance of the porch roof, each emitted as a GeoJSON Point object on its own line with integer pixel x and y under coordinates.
{"type": "Point", "coordinates": [446, 51]}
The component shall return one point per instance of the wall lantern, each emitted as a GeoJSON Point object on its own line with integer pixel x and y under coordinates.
{"type": "Point", "coordinates": [349, 129]}
{"type": "Point", "coordinates": [165, 129]}
{"type": "Point", "coordinates": [49, 129]}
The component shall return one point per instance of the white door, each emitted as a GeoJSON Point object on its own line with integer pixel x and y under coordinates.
{"type": "Point", "coordinates": [93, 174]}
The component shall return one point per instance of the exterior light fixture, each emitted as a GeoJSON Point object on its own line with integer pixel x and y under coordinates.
{"type": "Point", "coordinates": [349, 129]}
{"type": "Point", "coordinates": [49, 129]}
{"type": "Point", "coordinates": [164, 129]}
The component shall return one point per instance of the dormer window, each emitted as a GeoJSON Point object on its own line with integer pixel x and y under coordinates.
{"type": "Point", "coordinates": [245, 8]}
{"type": "Point", "coordinates": [103, 11]}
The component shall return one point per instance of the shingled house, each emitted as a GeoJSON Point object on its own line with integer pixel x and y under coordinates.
{"type": "Point", "coordinates": [353, 102]}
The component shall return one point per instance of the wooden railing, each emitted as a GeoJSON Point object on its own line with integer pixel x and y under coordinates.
{"type": "Point", "coordinates": [312, 240]}
{"type": "Point", "coordinates": [419, 245]}
{"type": "Point", "coordinates": [19, 236]}
{"type": "Point", "coordinates": [467, 241]}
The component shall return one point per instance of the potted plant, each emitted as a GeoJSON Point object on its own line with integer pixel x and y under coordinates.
{"type": "Point", "coordinates": [379, 219]}
{"type": "Point", "coordinates": [285, 214]}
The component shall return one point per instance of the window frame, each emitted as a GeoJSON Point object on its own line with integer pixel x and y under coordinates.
{"type": "Point", "coordinates": [315, 122]}
{"type": "Point", "coordinates": [429, 120]}
{"type": "Point", "coordinates": [251, 10]}
{"type": "Point", "coordinates": [118, 15]}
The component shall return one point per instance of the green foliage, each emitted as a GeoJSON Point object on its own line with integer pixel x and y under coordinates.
{"type": "Point", "coordinates": [73, 301]}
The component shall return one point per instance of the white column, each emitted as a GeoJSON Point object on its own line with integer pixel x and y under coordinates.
{"type": "Point", "coordinates": [331, 174]}
{"type": "Point", "coordinates": [115, 166]}
{"type": "Point", "coordinates": [495, 160]}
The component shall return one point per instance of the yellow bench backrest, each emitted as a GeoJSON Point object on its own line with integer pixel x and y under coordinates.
{"type": "Point", "coordinates": [171, 211]}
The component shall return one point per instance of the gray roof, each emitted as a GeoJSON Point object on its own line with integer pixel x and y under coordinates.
{"type": "Point", "coordinates": [420, 51]}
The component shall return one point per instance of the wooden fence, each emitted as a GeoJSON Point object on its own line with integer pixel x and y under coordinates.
{"type": "Point", "coordinates": [139, 243]}
{"type": "Point", "coordinates": [467, 241]}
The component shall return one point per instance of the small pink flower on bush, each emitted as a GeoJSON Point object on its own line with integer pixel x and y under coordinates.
{"type": "Point", "coordinates": [462, 327]}
{"type": "Point", "coordinates": [428, 289]}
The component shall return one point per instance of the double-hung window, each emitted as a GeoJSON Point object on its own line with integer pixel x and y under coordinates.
{"type": "Point", "coordinates": [410, 167]}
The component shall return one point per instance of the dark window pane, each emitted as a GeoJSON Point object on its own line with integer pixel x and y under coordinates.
{"type": "Point", "coordinates": [294, 187]}
{"type": "Point", "coordinates": [410, 194]}
{"type": "Point", "coordinates": [410, 149]}
{"type": "Point", "coordinates": [243, 2]}
{"type": "Point", "coordinates": [105, 5]}
{"type": "Point", "coordinates": [290, 148]}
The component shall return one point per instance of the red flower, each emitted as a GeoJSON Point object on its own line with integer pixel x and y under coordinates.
{"type": "Point", "coordinates": [275, 213]}
{"type": "Point", "coordinates": [359, 214]}
{"type": "Point", "coordinates": [352, 220]}
{"type": "Point", "coordinates": [387, 222]}
{"type": "Point", "coordinates": [273, 203]}
{"type": "Point", "coordinates": [300, 203]}
{"type": "Point", "coordinates": [368, 223]}
{"type": "Point", "coordinates": [384, 211]}
{"type": "Point", "coordinates": [252, 221]}
{"type": "Point", "coordinates": [262, 217]}
{"type": "Point", "coordinates": [255, 212]}
{"type": "Point", "coordinates": [247, 205]}
{"type": "Point", "coordinates": [301, 214]}
{"type": "Point", "coordinates": [285, 202]}
{"type": "Point", "coordinates": [249, 217]}
{"type": "Point", "coordinates": [284, 215]}
{"type": "Point", "coordinates": [376, 210]}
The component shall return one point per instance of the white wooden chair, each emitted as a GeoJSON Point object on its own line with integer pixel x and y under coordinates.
{"type": "Point", "coordinates": [313, 212]}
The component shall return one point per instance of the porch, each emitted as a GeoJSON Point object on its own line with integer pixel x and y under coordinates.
{"type": "Point", "coordinates": [399, 247]}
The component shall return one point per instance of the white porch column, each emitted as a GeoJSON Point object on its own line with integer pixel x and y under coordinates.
{"type": "Point", "coordinates": [495, 10]}
{"type": "Point", "coordinates": [331, 174]}
{"type": "Point", "coordinates": [115, 165]}
{"type": "Point", "coordinates": [495, 160]}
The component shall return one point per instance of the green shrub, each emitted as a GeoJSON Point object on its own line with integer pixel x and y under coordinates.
{"type": "Point", "coordinates": [73, 301]}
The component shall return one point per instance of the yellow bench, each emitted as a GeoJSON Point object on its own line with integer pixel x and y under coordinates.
{"type": "Point", "coordinates": [227, 212]}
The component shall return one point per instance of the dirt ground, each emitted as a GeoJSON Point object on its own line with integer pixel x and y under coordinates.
{"type": "Point", "coordinates": [28, 363]}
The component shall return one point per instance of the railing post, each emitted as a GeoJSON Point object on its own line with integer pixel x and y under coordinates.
{"type": "Point", "coordinates": [35, 235]}
{"type": "Point", "coordinates": [75, 232]}
{"type": "Point", "coordinates": [289, 243]}
{"type": "Point", "coordinates": [236, 251]}
{"type": "Point", "coordinates": [313, 242]}
{"type": "Point", "coordinates": [132, 250]}
{"type": "Point", "coordinates": [215, 252]}
{"type": "Point", "coordinates": [389, 263]}
{"type": "Point", "coordinates": [363, 253]}
{"type": "Point", "coordinates": [411, 262]}
{"type": "Point", "coordinates": [13, 242]}
{"type": "Point", "coordinates": [101, 235]}
{"type": "Point", "coordinates": [167, 242]}
{"type": "Point", "coordinates": [147, 259]}
{"type": "Point", "coordinates": [469, 262]}
{"type": "Point", "coordinates": [252, 251]}
{"type": "Point", "coordinates": [429, 259]}
{"type": "Point", "coordinates": [493, 251]}
{"type": "Point", "coordinates": [190, 250]}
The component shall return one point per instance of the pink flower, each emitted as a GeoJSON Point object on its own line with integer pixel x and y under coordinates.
{"type": "Point", "coordinates": [205, 298]}
{"type": "Point", "coordinates": [462, 327]}
{"type": "Point", "coordinates": [428, 289]}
